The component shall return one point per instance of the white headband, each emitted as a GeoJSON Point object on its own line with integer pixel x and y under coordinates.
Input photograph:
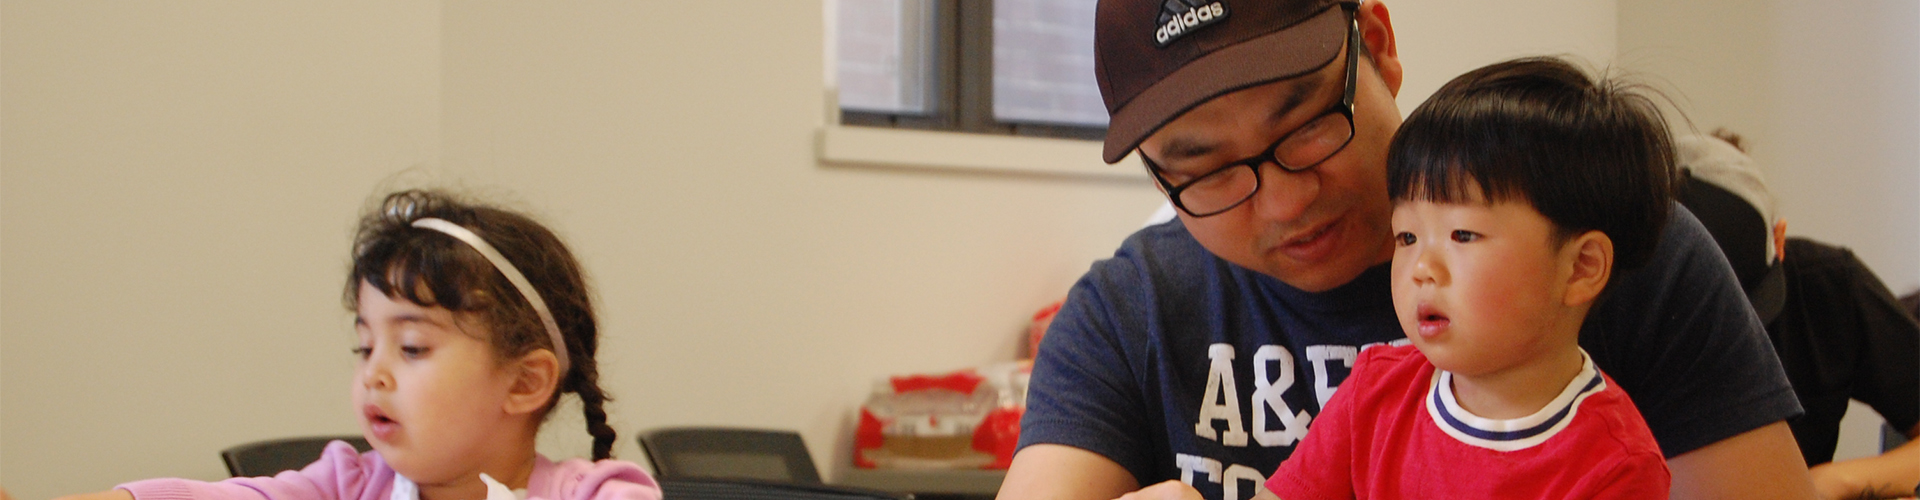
{"type": "Point", "coordinates": [513, 275]}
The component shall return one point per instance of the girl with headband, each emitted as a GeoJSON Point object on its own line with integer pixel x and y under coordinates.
{"type": "Point", "coordinates": [471, 322]}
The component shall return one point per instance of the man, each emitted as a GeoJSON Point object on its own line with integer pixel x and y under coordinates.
{"type": "Point", "coordinates": [1198, 355]}
{"type": "Point", "coordinates": [1839, 332]}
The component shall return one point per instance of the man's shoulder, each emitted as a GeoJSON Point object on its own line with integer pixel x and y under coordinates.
{"type": "Point", "coordinates": [1160, 254]}
{"type": "Point", "coordinates": [1166, 242]}
{"type": "Point", "coordinates": [1685, 270]}
{"type": "Point", "coordinates": [1684, 244]}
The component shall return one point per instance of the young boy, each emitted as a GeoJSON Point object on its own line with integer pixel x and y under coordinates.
{"type": "Point", "coordinates": [1518, 190]}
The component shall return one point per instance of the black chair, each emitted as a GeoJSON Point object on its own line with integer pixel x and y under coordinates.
{"type": "Point", "coordinates": [1890, 437]}
{"type": "Point", "coordinates": [754, 489]}
{"type": "Point", "coordinates": [266, 458]}
{"type": "Point", "coordinates": [729, 453]}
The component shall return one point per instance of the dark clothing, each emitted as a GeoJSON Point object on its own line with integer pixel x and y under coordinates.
{"type": "Point", "coordinates": [1176, 364]}
{"type": "Point", "coordinates": [1843, 336]}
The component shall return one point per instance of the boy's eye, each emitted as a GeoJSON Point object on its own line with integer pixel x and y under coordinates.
{"type": "Point", "coordinates": [1404, 238]}
{"type": "Point", "coordinates": [1465, 236]}
{"type": "Point", "coordinates": [362, 352]}
{"type": "Point", "coordinates": [413, 352]}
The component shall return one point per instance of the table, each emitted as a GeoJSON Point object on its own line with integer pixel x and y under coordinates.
{"type": "Point", "coordinates": [928, 484]}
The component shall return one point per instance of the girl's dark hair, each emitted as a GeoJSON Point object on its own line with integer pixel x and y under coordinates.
{"type": "Point", "coordinates": [433, 269]}
{"type": "Point", "coordinates": [1587, 155]}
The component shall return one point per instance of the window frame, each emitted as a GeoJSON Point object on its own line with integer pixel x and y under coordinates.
{"type": "Point", "coordinates": [961, 87]}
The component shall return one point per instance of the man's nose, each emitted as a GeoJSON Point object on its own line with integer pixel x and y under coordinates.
{"type": "Point", "coordinates": [1283, 195]}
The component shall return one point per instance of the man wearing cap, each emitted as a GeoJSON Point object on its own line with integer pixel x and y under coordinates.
{"type": "Point", "coordinates": [1197, 357]}
{"type": "Point", "coordinates": [1839, 332]}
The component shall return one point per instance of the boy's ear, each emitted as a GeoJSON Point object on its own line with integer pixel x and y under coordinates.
{"type": "Point", "coordinates": [1592, 266]}
{"type": "Point", "coordinates": [535, 376]}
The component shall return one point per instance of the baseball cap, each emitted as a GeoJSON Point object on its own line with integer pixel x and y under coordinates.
{"type": "Point", "coordinates": [1156, 59]}
{"type": "Point", "coordinates": [1725, 190]}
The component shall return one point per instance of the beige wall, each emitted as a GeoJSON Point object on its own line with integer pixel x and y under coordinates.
{"type": "Point", "coordinates": [1828, 96]}
{"type": "Point", "coordinates": [743, 283]}
{"type": "Point", "coordinates": [179, 181]}
{"type": "Point", "coordinates": [1440, 39]}
{"type": "Point", "coordinates": [177, 188]}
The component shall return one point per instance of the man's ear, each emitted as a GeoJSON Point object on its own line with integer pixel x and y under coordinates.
{"type": "Point", "coordinates": [1376, 27]}
{"type": "Point", "coordinates": [1592, 265]}
{"type": "Point", "coordinates": [535, 376]}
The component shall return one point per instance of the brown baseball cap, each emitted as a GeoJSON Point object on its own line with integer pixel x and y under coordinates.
{"type": "Point", "coordinates": [1156, 59]}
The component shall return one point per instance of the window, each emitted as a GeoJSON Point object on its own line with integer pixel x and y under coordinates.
{"type": "Point", "coordinates": [1018, 67]}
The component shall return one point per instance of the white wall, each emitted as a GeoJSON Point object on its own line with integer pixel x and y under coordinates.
{"type": "Point", "coordinates": [178, 181]}
{"type": "Point", "coordinates": [1440, 39]}
{"type": "Point", "coordinates": [743, 283]}
{"type": "Point", "coordinates": [177, 184]}
{"type": "Point", "coordinates": [1828, 96]}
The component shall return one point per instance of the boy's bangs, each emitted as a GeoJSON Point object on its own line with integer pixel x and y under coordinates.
{"type": "Point", "coordinates": [1457, 163]}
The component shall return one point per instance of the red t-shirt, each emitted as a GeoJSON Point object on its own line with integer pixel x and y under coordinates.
{"type": "Point", "coordinates": [1393, 431]}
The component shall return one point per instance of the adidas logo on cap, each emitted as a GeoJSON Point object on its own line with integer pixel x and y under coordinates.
{"type": "Point", "coordinates": [1180, 17]}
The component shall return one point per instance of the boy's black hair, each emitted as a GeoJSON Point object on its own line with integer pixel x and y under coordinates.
{"type": "Point", "coordinates": [1588, 155]}
{"type": "Point", "coordinates": [432, 269]}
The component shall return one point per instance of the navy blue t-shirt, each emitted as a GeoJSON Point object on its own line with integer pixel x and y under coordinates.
{"type": "Point", "coordinates": [1179, 365]}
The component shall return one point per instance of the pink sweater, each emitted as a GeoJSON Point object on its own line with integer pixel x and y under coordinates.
{"type": "Point", "coordinates": [341, 473]}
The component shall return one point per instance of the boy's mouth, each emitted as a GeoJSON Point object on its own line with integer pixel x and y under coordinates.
{"type": "Point", "coordinates": [1432, 322]}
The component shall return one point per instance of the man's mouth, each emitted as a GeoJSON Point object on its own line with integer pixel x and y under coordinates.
{"type": "Point", "coordinates": [1312, 246]}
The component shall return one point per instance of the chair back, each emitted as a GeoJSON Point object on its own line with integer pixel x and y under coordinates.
{"type": "Point", "coordinates": [1890, 437]}
{"type": "Point", "coordinates": [266, 458]}
{"type": "Point", "coordinates": [729, 453]}
{"type": "Point", "coordinates": [752, 489]}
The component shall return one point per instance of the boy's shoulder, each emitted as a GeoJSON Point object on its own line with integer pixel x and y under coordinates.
{"type": "Point", "coordinates": [1386, 366]}
{"type": "Point", "coordinates": [1386, 356]}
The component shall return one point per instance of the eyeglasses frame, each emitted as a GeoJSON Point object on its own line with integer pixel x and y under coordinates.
{"type": "Point", "coordinates": [1344, 107]}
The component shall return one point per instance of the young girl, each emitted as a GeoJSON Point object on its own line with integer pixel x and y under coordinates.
{"type": "Point", "coordinates": [471, 322]}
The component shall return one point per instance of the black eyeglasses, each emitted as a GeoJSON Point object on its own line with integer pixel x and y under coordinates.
{"type": "Point", "coordinates": [1298, 151]}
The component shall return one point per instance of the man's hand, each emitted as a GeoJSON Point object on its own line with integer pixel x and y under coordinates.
{"type": "Point", "coordinates": [1168, 490]}
{"type": "Point", "coordinates": [1175, 490]}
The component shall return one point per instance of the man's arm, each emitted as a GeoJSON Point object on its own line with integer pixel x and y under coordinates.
{"type": "Point", "coordinates": [1761, 463]}
{"type": "Point", "coordinates": [1060, 472]}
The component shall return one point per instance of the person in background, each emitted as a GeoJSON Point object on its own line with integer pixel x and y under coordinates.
{"type": "Point", "coordinates": [1518, 190]}
{"type": "Point", "coordinates": [1911, 301]}
{"type": "Point", "coordinates": [1197, 356]}
{"type": "Point", "coordinates": [471, 322]}
{"type": "Point", "coordinates": [1839, 332]}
